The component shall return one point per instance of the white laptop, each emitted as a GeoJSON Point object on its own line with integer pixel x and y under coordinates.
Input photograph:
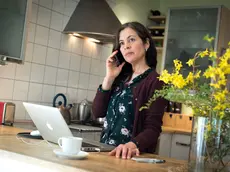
{"type": "Point", "coordinates": [51, 125]}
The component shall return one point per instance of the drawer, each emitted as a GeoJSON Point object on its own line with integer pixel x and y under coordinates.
{"type": "Point", "coordinates": [169, 119]}
{"type": "Point", "coordinates": [180, 146]}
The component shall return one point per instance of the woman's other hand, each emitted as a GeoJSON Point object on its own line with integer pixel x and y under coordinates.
{"type": "Point", "coordinates": [112, 71]}
{"type": "Point", "coordinates": [125, 151]}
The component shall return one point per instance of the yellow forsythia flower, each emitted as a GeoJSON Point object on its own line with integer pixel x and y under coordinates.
{"type": "Point", "coordinates": [177, 64]}
{"type": "Point", "coordinates": [190, 62]}
{"type": "Point", "coordinates": [220, 96]}
{"type": "Point", "coordinates": [190, 78]}
{"type": "Point", "coordinates": [178, 80]}
{"type": "Point", "coordinates": [204, 53]}
{"type": "Point", "coordinates": [213, 54]}
{"type": "Point", "coordinates": [165, 77]}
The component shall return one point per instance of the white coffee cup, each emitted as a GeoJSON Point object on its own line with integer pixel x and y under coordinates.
{"type": "Point", "coordinates": [70, 145]}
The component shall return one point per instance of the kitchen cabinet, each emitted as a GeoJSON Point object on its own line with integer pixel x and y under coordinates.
{"type": "Point", "coordinates": [174, 145]}
{"type": "Point", "coordinates": [180, 146]}
{"type": "Point", "coordinates": [165, 144]}
{"type": "Point", "coordinates": [185, 29]}
{"type": "Point", "coordinates": [13, 31]}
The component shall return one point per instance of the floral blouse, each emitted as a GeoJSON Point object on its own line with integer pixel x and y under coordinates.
{"type": "Point", "coordinates": [118, 125]}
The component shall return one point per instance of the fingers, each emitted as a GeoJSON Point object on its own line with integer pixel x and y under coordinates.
{"type": "Point", "coordinates": [119, 151]}
{"type": "Point", "coordinates": [129, 155]}
{"type": "Point", "coordinates": [137, 152]}
{"type": "Point", "coordinates": [124, 151]}
{"type": "Point", "coordinates": [113, 152]}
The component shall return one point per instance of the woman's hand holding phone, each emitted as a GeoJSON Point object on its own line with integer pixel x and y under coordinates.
{"type": "Point", "coordinates": [112, 71]}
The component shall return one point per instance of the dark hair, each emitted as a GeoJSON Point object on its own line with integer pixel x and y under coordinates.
{"type": "Point", "coordinates": [151, 53]}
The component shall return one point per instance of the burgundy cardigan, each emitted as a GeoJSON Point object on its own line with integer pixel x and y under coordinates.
{"type": "Point", "coordinates": [148, 122]}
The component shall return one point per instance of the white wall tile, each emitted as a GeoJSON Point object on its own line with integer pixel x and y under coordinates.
{"type": "Point", "coordinates": [91, 95]}
{"type": "Point", "coordinates": [50, 75]}
{"type": "Point", "coordinates": [81, 95]}
{"type": "Point", "coordinates": [6, 88]}
{"type": "Point", "coordinates": [77, 45]}
{"type": "Point", "coordinates": [37, 73]}
{"type": "Point", "coordinates": [73, 79]}
{"type": "Point", "coordinates": [29, 52]}
{"type": "Point", "coordinates": [46, 3]}
{"type": "Point", "coordinates": [54, 39]}
{"type": "Point", "coordinates": [35, 92]}
{"type": "Point", "coordinates": [64, 60]}
{"type": "Point", "coordinates": [20, 112]}
{"type": "Point", "coordinates": [65, 21]}
{"type": "Point", "coordinates": [75, 62]}
{"type": "Point", "coordinates": [96, 51]}
{"type": "Point", "coordinates": [105, 53]}
{"type": "Point", "coordinates": [83, 81]}
{"type": "Point", "coordinates": [39, 54]}
{"type": "Point", "coordinates": [87, 48]}
{"type": "Point", "coordinates": [20, 90]}
{"type": "Point", "coordinates": [23, 71]}
{"type": "Point", "coordinates": [34, 13]}
{"type": "Point", "coordinates": [93, 82]}
{"type": "Point", "coordinates": [48, 93]}
{"type": "Point", "coordinates": [103, 68]}
{"type": "Point", "coordinates": [66, 42]}
{"type": "Point", "coordinates": [59, 6]}
{"type": "Point", "coordinates": [85, 64]}
{"type": "Point", "coordinates": [56, 21]}
{"type": "Point", "coordinates": [62, 77]}
{"type": "Point", "coordinates": [95, 67]}
{"type": "Point", "coordinates": [59, 89]}
{"type": "Point", "coordinates": [31, 32]}
{"type": "Point", "coordinates": [52, 57]}
{"type": "Point", "coordinates": [101, 79]}
{"type": "Point", "coordinates": [72, 95]}
{"type": "Point", "coordinates": [8, 71]}
{"type": "Point", "coordinates": [41, 36]}
{"type": "Point", "coordinates": [69, 7]}
{"type": "Point", "coordinates": [44, 16]}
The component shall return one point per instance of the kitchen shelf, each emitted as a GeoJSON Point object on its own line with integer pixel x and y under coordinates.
{"type": "Point", "coordinates": [157, 18]}
{"type": "Point", "coordinates": [159, 48]}
{"type": "Point", "coordinates": [156, 27]}
{"type": "Point", "coordinates": [158, 38]}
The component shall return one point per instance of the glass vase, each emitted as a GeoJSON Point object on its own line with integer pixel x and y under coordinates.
{"type": "Point", "coordinates": [210, 145]}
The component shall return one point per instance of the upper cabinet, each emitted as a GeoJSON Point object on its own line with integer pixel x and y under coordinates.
{"type": "Point", "coordinates": [13, 29]}
{"type": "Point", "coordinates": [185, 30]}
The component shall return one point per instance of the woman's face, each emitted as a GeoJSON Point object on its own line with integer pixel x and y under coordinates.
{"type": "Point", "coordinates": [131, 46]}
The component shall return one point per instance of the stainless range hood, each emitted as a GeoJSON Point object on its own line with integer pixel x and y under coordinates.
{"type": "Point", "coordinates": [93, 19]}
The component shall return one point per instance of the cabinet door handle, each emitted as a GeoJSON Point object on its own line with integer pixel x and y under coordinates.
{"type": "Point", "coordinates": [182, 144]}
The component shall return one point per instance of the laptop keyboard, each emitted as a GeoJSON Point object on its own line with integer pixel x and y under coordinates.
{"type": "Point", "coordinates": [88, 145]}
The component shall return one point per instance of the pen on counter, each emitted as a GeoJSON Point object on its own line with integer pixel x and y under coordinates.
{"type": "Point", "coordinates": [149, 160]}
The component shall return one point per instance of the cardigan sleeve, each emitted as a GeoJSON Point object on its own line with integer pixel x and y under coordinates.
{"type": "Point", "coordinates": [152, 121]}
{"type": "Point", "coordinates": [100, 103]}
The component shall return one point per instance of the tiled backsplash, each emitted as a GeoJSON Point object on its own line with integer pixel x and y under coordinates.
{"type": "Point", "coordinates": [54, 62]}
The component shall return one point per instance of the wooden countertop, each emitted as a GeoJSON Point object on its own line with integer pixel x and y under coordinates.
{"type": "Point", "coordinates": [175, 130]}
{"type": "Point", "coordinates": [84, 128]}
{"type": "Point", "coordinates": [95, 162]}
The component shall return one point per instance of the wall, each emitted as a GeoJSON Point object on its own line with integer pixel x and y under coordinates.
{"type": "Point", "coordinates": [165, 4]}
{"type": "Point", "coordinates": [135, 10]}
{"type": "Point", "coordinates": [54, 62]}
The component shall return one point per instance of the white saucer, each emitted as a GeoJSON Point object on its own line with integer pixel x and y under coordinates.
{"type": "Point", "coordinates": [80, 155]}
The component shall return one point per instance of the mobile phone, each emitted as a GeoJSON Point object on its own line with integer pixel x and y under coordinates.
{"type": "Point", "coordinates": [119, 59]}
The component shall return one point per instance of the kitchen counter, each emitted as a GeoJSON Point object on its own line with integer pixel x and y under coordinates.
{"type": "Point", "coordinates": [175, 130]}
{"type": "Point", "coordinates": [42, 154]}
{"type": "Point", "coordinates": [85, 128]}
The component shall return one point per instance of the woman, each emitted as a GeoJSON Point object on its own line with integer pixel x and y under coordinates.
{"type": "Point", "coordinates": [125, 89]}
